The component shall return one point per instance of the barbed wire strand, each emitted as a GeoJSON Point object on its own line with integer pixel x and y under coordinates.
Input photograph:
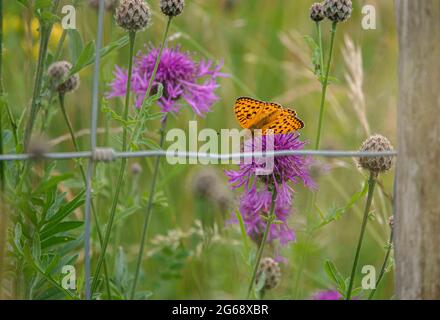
{"type": "Point", "coordinates": [202, 155]}
{"type": "Point", "coordinates": [93, 129]}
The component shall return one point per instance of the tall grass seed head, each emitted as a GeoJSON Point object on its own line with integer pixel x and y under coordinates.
{"type": "Point", "coordinates": [337, 10]}
{"type": "Point", "coordinates": [317, 12]}
{"type": "Point", "coordinates": [133, 15]}
{"type": "Point", "coordinates": [376, 143]}
{"type": "Point", "coordinates": [272, 273]}
{"type": "Point", "coordinates": [58, 72]}
{"type": "Point", "coordinates": [172, 8]}
{"type": "Point", "coordinates": [109, 5]}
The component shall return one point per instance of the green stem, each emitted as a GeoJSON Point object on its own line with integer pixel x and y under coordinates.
{"type": "Point", "coordinates": [3, 214]}
{"type": "Point", "coordinates": [60, 46]}
{"type": "Point", "coordinates": [321, 47]}
{"type": "Point", "coordinates": [312, 197]}
{"type": "Point", "coordinates": [384, 264]}
{"type": "Point", "coordinates": [148, 211]}
{"type": "Point", "coordinates": [324, 86]}
{"type": "Point", "coordinates": [371, 184]}
{"type": "Point", "coordinates": [140, 119]}
{"type": "Point", "coordinates": [122, 168]}
{"type": "Point", "coordinates": [83, 174]}
{"type": "Point", "coordinates": [35, 104]}
{"type": "Point", "coordinates": [270, 219]}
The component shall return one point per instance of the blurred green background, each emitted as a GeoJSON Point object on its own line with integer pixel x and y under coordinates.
{"type": "Point", "coordinates": [264, 46]}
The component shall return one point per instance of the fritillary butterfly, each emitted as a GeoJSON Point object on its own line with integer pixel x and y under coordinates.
{"type": "Point", "coordinates": [255, 114]}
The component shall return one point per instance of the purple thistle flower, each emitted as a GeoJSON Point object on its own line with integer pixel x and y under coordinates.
{"type": "Point", "coordinates": [181, 77]}
{"type": "Point", "coordinates": [257, 197]}
{"type": "Point", "coordinates": [327, 295]}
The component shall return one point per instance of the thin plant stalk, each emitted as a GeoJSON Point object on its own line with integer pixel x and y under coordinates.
{"type": "Point", "coordinates": [384, 265]}
{"type": "Point", "coordinates": [269, 221]}
{"type": "Point", "coordinates": [312, 198]}
{"type": "Point", "coordinates": [46, 30]}
{"type": "Point", "coordinates": [321, 48]}
{"type": "Point", "coordinates": [148, 211]}
{"type": "Point", "coordinates": [324, 86]}
{"type": "Point", "coordinates": [371, 185]}
{"type": "Point", "coordinates": [140, 121]}
{"type": "Point", "coordinates": [2, 167]}
{"type": "Point", "coordinates": [83, 174]}
{"type": "Point", "coordinates": [120, 180]}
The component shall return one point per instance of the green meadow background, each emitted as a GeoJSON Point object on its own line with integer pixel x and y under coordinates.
{"type": "Point", "coordinates": [192, 252]}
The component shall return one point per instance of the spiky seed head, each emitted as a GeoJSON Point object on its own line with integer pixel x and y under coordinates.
{"type": "Point", "coordinates": [376, 143]}
{"type": "Point", "coordinates": [172, 8]}
{"type": "Point", "coordinates": [136, 169]}
{"type": "Point", "coordinates": [109, 5]}
{"type": "Point", "coordinates": [337, 10]}
{"type": "Point", "coordinates": [133, 15]}
{"type": "Point", "coordinates": [317, 12]}
{"type": "Point", "coordinates": [272, 273]}
{"type": "Point", "coordinates": [58, 73]}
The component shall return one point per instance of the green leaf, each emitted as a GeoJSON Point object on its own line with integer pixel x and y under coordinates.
{"type": "Point", "coordinates": [335, 214]}
{"type": "Point", "coordinates": [86, 55]}
{"type": "Point", "coordinates": [24, 3]}
{"type": "Point", "coordinates": [76, 44]}
{"type": "Point", "coordinates": [115, 116]}
{"type": "Point", "coordinates": [54, 207]}
{"type": "Point", "coordinates": [152, 99]}
{"type": "Point", "coordinates": [36, 247]}
{"type": "Point", "coordinates": [244, 237]}
{"type": "Point", "coordinates": [89, 53]}
{"type": "Point", "coordinates": [48, 17]}
{"type": "Point", "coordinates": [316, 56]}
{"type": "Point", "coordinates": [334, 275]}
{"type": "Point", "coordinates": [65, 210]}
{"type": "Point", "coordinates": [42, 188]}
{"type": "Point", "coordinates": [61, 227]}
{"type": "Point", "coordinates": [42, 4]}
{"type": "Point", "coordinates": [17, 237]}
{"type": "Point", "coordinates": [53, 241]}
{"type": "Point", "coordinates": [259, 284]}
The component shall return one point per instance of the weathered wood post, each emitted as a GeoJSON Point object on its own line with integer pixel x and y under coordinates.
{"type": "Point", "coordinates": [417, 240]}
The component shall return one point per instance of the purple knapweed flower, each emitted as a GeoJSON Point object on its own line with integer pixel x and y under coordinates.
{"type": "Point", "coordinates": [181, 76]}
{"type": "Point", "coordinates": [327, 295]}
{"type": "Point", "coordinates": [256, 199]}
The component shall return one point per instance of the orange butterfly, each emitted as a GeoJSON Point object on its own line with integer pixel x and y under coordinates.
{"type": "Point", "coordinates": [255, 114]}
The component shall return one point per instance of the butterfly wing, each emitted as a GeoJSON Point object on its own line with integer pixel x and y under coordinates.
{"type": "Point", "coordinates": [256, 114]}
{"type": "Point", "coordinates": [252, 113]}
{"type": "Point", "coordinates": [284, 122]}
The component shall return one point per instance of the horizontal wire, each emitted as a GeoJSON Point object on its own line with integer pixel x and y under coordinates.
{"type": "Point", "coordinates": [198, 155]}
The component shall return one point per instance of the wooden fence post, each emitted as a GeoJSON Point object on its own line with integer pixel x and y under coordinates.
{"type": "Point", "coordinates": [417, 240]}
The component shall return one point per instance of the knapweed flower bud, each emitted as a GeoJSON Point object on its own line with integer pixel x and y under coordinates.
{"type": "Point", "coordinates": [317, 12]}
{"type": "Point", "coordinates": [391, 222]}
{"type": "Point", "coordinates": [337, 10]}
{"type": "Point", "coordinates": [38, 146]}
{"type": "Point", "coordinates": [376, 143]}
{"type": "Point", "coordinates": [109, 5]}
{"type": "Point", "coordinates": [133, 15]}
{"type": "Point", "coordinates": [204, 183]}
{"type": "Point", "coordinates": [58, 72]}
{"type": "Point", "coordinates": [136, 169]}
{"type": "Point", "coordinates": [272, 273]}
{"type": "Point", "coordinates": [172, 8]}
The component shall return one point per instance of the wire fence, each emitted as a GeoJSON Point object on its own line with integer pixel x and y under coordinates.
{"type": "Point", "coordinates": [107, 154]}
